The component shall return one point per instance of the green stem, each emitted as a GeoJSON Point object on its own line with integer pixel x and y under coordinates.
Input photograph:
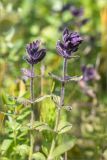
{"type": "Point", "coordinates": [32, 115]}
{"type": "Point", "coordinates": [59, 110]}
{"type": "Point", "coordinates": [15, 143]}
{"type": "Point", "coordinates": [14, 132]}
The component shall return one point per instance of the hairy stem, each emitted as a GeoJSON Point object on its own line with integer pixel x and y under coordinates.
{"type": "Point", "coordinates": [32, 114]}
{"type": "Point", "coordinates": [59, 109]}
{"type": "Point", "coordinates": [42, 80]}
{"type": "Point", "coordinates": [15, 144]}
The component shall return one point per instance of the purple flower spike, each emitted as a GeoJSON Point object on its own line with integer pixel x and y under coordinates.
{"type": "Point", "coordinates": [70, 44]}
{"type": "Point", "coordinates": [35, 54]}
{"type": "Point", "coordinates": [90, 73]}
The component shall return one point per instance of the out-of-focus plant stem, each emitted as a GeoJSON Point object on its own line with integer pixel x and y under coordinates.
{"type": "Point", "coordinates": [103, 56]}
{"type": "Point", "coordinates": [15, 144]}
{"type": "Point", "coordinates": [65, 156]}
{"type": "Point", "coordinates": [32, 114]}
{"type": "Point", "coordinates": [14, 132]}
{"type": "Point", "coordinates": [59, 109]}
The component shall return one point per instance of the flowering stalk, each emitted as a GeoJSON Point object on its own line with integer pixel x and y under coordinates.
{"type": "Point", "coordinates": [35, 55]}
{"type": "Point", "coordinates": [65, 48]}
{"type": "Point", "coordinates": [32, 113]}
{"type": "Point", "coordinates": [59, 108]}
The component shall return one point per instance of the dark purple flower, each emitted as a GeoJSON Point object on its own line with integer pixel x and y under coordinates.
{"type": "Point", "coordinates": [70, 44]}
{"type": "Point", "coordinates": [89, 73]}
{"type": "Point", "coordinates": [77, 12]}
{"type": "Point", "coordinates": [35, 54]}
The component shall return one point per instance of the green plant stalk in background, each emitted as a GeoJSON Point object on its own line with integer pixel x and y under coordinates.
{"type": "Point", "coordinates": [59, 108]}
{"type": "Point", "coordinates": [32, 114]}
{"type": "Point", "coordinates": [15, 136]}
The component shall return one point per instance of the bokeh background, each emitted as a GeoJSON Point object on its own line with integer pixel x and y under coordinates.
{"type": "Point", "coordinates": [21, 22]}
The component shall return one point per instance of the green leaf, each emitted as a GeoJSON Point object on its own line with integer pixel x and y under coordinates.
{"type": "Point", "coordinates": [41, 98]}
{"type": "Point", "coordinates": [44, 127]}
{"type": "Point", "coordinates": [38, 156]}
{"type": "Point", "coordinates": [41, 126]}
{"type": "Point", "coordinates": [64, 127]}
{"type": "Point", "coordinates": [24, 115]}
{"type": "Point", "coordinates": [22, 149]}
{"type": "Point", "coordinates": [5, 98]}
{"type": "Point", "coordinates": [27, 101]}
{"type": "Point", "coordinates": [24, 133]}
{"type": "Point", "coordinates": [63, 148]}
{"type": "Point", "coordinates": [5, 145]}
{"type": "Point", "coordinates": [45, 150]}
{"type": "Point", "coordinates": [75, 78]}
{"type": "Point", "coordinates": [38, 124]}
{"type": "Point", "coordinates": [56, 99]}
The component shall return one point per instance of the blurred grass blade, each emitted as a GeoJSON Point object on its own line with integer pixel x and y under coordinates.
{"type": "Point", "coordinates": [2, 115]}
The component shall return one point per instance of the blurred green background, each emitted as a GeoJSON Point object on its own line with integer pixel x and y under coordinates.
{"type": "Point", "coordinates": [21, 22]}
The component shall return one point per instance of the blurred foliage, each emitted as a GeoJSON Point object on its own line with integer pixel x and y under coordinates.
{"type": "Point", "coordinates": [27, 20]}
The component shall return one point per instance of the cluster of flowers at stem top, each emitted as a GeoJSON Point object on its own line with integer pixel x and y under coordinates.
{"type": "Point", "coordinates": [66, 48]}
{"type": "Point", "coordinates": [35, 54]}
{"type": "Point", "coordinates": [69, 45]}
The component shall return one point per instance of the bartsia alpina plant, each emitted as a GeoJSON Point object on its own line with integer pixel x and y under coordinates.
{"type": "Point", "coordinates": [34, 55]}
{"type": "Point", "coordinates": [66, 49]}
{"type": "Point", "coordinates": [69, 45]}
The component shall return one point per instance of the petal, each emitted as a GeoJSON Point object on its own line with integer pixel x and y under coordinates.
{"type": "Point", "coordinates": [67, 54]}
{"type": "Point", "coordinates": [40, 55]}
{"type": "Point", "coordinates": [36, 44]}
{"type": "Point", "coordinates": [28, 48]}
{"type": "Point", "coordinates": [65, 34]}
{"type": "Point", "coordinates": [60, 48]}
{"type": "Point", "coordinates": [66, 31]}
{"type": "Point", "coordinates": [29, 60]}
{"type": "Point", "coordinates": [62, 51]}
